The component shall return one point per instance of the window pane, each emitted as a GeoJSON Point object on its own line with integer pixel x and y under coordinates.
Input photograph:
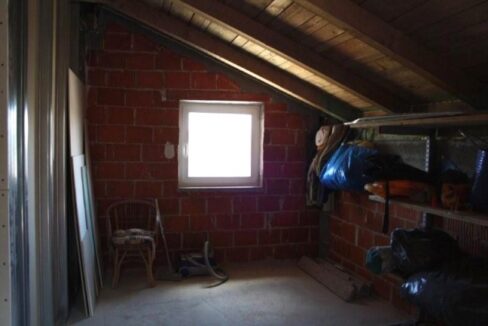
{"type": "Point", "coordinates": [219, 145]}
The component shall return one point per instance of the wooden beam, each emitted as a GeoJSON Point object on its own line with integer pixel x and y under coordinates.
{"type": "Point", "coordinates": [223, 52]}
{"type": "Point", "coordinates": [307, 59]}
{"type": "Point", "coordinates": [392, 42]}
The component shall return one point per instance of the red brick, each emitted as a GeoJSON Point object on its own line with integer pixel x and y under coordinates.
{"type": "Point", "coordinates": [142, 43]}
{"type": "Point", "coordinates": [285, 219]}
{"type": "Point", "coordinates": [194, 240]}
{"type": "Point", "coordinates": [269, 203]}
{"type": "Point", "coordinates": [365, 238]}
{"type": "Point", "coordinates": [156, 117]}
{"type": "Point", "coordinates": [294, 121]}
{"type": "Point", "coordinates": [168, 60]}
{"type": "Point", "coordinates": [141, 98]}
{"type": "Point", "coordinates": [177, 80]}
{"type": "Point", "coordinates": [203, 80]}
{"type": "Point", "coordinates": [191, 65]}
{"type": "Point", "coordinates": [98, 152]}
{"type": "Point", "coordinates": [174, 240]}
{"type": "Point", "coordinates": [277, 186]}
{"type": "Point", "coordinates": [225, 83]}
{"type": "Point", "coordinates": [99, 188]}
{"type": "Point", "coordinates": [395, 223]}
{"type": "Point", "coordinates": [374, 222]}
{"type": "Point", "coordinates": [139, 135]}
{"type": "Point", "coordinates": [310, 217]}
{"type": "Point", "coordinates": [111, 60]}
{"type": "Point", "coordinates": [314, 235]}
{"type": "Point", "coordinates": [293, 203]}
{"type": "Point", "coordinates": [282, 137]}
{"type": "Point", "coordinates": [219, 205]}
{"type": "Point", "coordinates": [358, 255]}
{"type": "Point", "coordinates": [252, 221]}
{"type": "Point", "coordinates": [227, 222]}
{"type": "Point", "coordinates": [175, 223]}
{"type": "Point", "coordinates": [96, 115]}
{"type": "Point", "coordinates": [269, 237]}
{"type": "Point", "coordinates": [122, 79]}
{"type": "Point", "coordinates": [148, 189]}
{"type": "Point", "coordinates": [111, 134]}
{"type": "Point", "coordinates": [237, 254]}
{"type": "Point", "coordinates": [280, 107]}
{"type": "Point", "coordinates": [110, 96]}
{"type": "Point", "coordinates": [382, 288]}
{"type": "Point", "coordinates": [246, 238]}
{"type": "Point", "coordinates": [138, 171]}
{"type": "Point", "coordinates": [202, 222]}
{"type": "Point", "coordinates": [406, 213]}
{"type": "Point", "coordinates": [119, 115]}
{"type": "Point", "coordinates": [274, 153]}
{"type": "Point", "coordinates": [286, 252]}
{"type": "Point", "coordinates": [92, 96]}
{"type": "Point", "coordinates": [164, 170]}
{"type": "Point", "coordinates": [273, 120]}
{"type": "Point", "coordinates": [120, 189]}
{"type": "Point", "coordinates": [170, 206]}
{"type": "Point", "coordinates": [381, 240]}
{"type": "Point", "coordinates": [113, 27]}
{"type": "Point", "coordinates": [193, 206]}
{"type": "Point", "coordinates": [296, 154]}
{"type": "Point", "coordinates": [297, 186]}
{"type": "Point", "coordinates": [221, 239]}
{"type": "Point", "coordinates": [260, 253]}
{"type": "Point", "coordinates": [140, 61]}
{"type": "Point", "coordinates": [96, 77]}
{"type": "Point", "coordinates": [153, 153]}
{"type": "Point", "coordinates": [245, 204]}
{"type": "Point", "coordinates": [273, 170]}
{"type": "Point", "coordinates": [170, 189]}
{"type": "Point", "coordinates": [124, 152]}
{"type": "Point", "coordinates": [109, 170]}
{"type": "Point", "coordinates": [348, 232]}
{"type": "Point", "coordinates": [165, 134]}
{"type": "Point", "coordinates": [150, 79]}
{"type": "Point", "coordinates": [120, 41]}
{"type": "Point", "coordinates": [295, 170]}
{"type": "Point", "coordinates": [294, 235]}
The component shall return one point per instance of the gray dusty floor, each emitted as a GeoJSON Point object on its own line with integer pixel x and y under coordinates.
{"type": "Point", "coordinates": [262, 293]}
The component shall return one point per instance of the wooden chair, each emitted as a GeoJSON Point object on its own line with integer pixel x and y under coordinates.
{"type": "Point", "coordinates": [132, 227]}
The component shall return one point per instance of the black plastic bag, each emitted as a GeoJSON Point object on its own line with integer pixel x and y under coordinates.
{"type": "Point", "coordinates": [419, 251]}
{"type": "Point", "coordinates": [455, 295]}
{"type": "Point", "coordinates": [391, 167]}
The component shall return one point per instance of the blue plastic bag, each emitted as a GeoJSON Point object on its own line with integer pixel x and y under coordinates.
{"type": "Point", "coordinates": [344, 170]}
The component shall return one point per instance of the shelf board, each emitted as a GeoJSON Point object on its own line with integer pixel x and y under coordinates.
{"type": "Point", "coordinates": [423, 120]}
{"type": "Point", "coordinates": [463, 216]}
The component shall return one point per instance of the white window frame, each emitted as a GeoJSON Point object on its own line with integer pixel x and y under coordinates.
{"type": "Point", "coordinates": [256, 111]}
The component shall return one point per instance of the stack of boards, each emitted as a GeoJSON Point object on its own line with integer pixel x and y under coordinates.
{"type": "Point", "coordinates": [336, 280]}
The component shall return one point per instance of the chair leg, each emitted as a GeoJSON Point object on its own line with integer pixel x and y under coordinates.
{"type": "Point", "coordinates": [115, 277]}
{"type": "Point", "coordinates": [149, 268]}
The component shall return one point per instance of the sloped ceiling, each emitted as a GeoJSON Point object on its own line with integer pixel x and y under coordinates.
{"type": "Point", "coordinates": [367, 56]}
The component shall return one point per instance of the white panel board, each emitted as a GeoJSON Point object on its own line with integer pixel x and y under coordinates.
{"type": "Point", "coordinates": [85, 235]}
{"type": "Point", "coordinates": [76, 113]}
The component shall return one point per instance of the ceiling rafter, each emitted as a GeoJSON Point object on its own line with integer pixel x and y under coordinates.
{"type": "Point", "coordinates": [294, 52]}
{"type": "Point", "coordinates": [249, 64]}
{"type": "Point", "coordinates": [392, 42]}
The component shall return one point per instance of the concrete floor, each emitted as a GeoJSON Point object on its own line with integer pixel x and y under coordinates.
{"type": "Point", "coordinates": [261, 293]}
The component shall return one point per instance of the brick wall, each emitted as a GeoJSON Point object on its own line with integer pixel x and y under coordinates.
{"type": "Point", "coordinates": [134, 85]}
{"type": "Point", "coordinates": [355, 226]}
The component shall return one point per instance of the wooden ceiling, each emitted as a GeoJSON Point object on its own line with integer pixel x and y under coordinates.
{"type": "Point", "coordinates": [375, 56]}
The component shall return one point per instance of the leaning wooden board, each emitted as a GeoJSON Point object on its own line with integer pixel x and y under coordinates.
{"type": "Point", "coordinates": [335, 283]}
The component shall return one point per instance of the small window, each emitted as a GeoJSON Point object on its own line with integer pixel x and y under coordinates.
{"type": "Point", "coordinates": [220, 144]}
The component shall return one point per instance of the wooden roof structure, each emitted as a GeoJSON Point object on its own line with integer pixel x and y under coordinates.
{"type": "Point", "coordinates": [344, 57]}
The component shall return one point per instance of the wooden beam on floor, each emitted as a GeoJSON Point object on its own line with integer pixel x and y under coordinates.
{"type": "Point", "coordinates": [223, 52]}
{"type": "Point", "coordinates": [377, 33]}
{"type": "Point", "coordinates": [294, 52]}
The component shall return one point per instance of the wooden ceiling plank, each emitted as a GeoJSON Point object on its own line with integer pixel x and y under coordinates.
{"type": "Point", "coordinates": [394, 43]}
{"type": "Point", "coordinates": [285, 47]}
{"type": "Point", "coordinates": [228, 54]}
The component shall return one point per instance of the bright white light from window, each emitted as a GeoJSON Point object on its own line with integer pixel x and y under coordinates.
{"type": "Point", "coordinates": [219, 144]}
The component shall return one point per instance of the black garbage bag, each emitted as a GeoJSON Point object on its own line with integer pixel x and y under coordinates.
{"type": "Point", "coordinates": [391, 167]}
{"type": "Point", "coordinates": [455, 295]}
{"type": "Point", "coordinates": [419, 251]}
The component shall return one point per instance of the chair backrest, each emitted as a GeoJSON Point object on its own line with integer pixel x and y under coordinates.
{"type": "Point", "coordinates": [133, 213]}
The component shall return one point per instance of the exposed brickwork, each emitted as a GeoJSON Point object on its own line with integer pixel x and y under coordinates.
{"type": "Point", "coordinates": [355, 226]}
{"type": "Point", "coordinates": [134, 86]}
